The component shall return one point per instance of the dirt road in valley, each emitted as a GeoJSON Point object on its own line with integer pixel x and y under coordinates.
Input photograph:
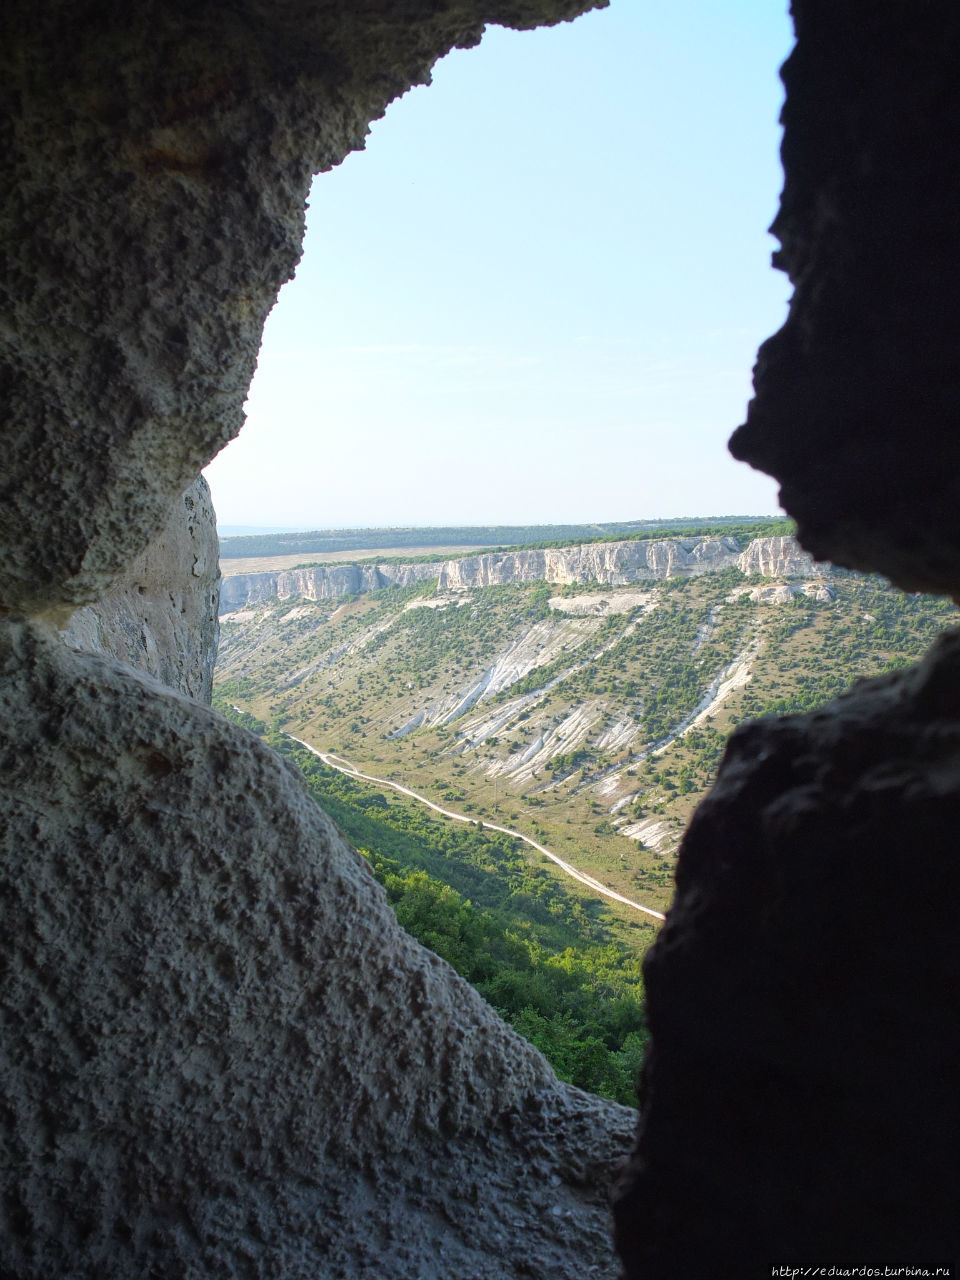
{"type": "Point", "coordinates": [344, 766]}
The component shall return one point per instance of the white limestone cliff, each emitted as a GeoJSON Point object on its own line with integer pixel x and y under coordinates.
{"type": "Point", "coordinates": [779, 558]}
{"type": "Point", "coordinates": [605, 563]}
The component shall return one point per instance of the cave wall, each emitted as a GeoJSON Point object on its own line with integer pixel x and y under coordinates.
{"type": "Point", "coordinates": [799, 1105]}
{"type": "Point", "coordinates": [156, 163]}
{"type": "Point", "coordinates": [219, 1053]}
{"type": "Point", "coordinates": [162, 614]}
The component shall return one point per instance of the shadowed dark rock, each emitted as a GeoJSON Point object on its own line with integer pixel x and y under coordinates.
{"type": "Point", "coordinates": [800, 1105]}
{"type": "Point", "coordinates": [857, 402]}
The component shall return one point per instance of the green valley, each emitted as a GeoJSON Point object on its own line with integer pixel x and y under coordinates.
{"type": "Point", "coordinates": [589, 716]}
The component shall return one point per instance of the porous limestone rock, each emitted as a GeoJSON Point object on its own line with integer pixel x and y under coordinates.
{"type": "Point", "coordinates": [161, 616]}
{"type": "Point", "coordinates": [800, 1103]}
{"type": "Point", "coordinates": [221, 1055]}
{"type": "Point", "coordinates": [155, 166]}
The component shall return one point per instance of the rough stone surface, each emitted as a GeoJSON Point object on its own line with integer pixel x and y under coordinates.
{"type": "Point", "coordinates": [161, 616]}
{"type": "Point", "coordinates": [800, 1104]}
{"type": "Point", "coordinates": [155, 165]}
{"type": "Point", "coordinates": [858, 396]}
{"type": "Point", "coordinates": [220, 1053]}
{"type": "Point", "coordinates": [609, 563]}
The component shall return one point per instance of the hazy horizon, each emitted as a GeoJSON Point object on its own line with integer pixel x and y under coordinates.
{"type": "Point", "coordinates": [499, 524]}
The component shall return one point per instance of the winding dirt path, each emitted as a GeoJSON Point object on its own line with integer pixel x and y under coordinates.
{"type": "Point", "coordinates": [343, 765]}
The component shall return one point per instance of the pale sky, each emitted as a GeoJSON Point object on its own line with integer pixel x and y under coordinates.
{"type": "Point", "coordinates": [537, 295]}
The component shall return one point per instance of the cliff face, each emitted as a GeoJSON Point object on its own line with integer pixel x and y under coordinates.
{"type": "Point", "coordinates": [779, 558]}
{"type": "Point", "coordinates": [321, 582]}
{"type": "Point", "coordinates": [610, 563]}
{"type": "Point", "coordinates": [607, 563]}
{"type": "Point", "coordinates": [161, 615]}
